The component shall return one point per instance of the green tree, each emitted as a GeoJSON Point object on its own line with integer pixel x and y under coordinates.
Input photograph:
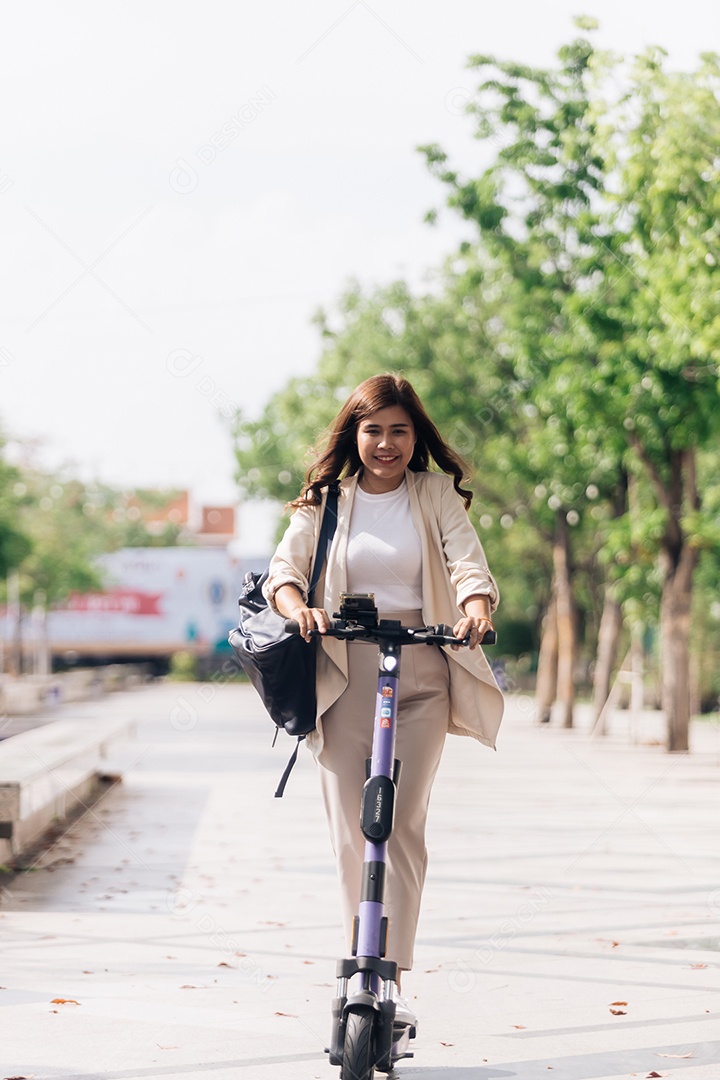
{"type": "Point", "coordinates": [538, 210]}
{"type": "Point", "coordinates": [661, 378]}
{"type": "Point", "coordinates": [14, 543]}
{"type": "Point", "coordinates": [603, 212]}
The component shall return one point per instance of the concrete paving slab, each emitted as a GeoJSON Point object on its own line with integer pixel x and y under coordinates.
{"type": "Point", "coordinates": [188, 925]}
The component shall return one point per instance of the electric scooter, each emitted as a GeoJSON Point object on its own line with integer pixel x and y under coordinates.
{"type": "Point", "coordinates": [365, 1033]}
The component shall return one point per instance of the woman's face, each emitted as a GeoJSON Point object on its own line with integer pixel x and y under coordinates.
{"type": "Point", "coordinates": [386, 441]}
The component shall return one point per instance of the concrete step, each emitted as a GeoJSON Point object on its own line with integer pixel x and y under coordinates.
{"type": "Point", "coordinates": [48, 772]}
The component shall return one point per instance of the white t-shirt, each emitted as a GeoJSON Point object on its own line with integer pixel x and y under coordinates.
{"type": "Point", "coordinates": [384, 554]}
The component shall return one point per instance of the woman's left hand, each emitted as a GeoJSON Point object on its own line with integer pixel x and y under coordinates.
{"type": "Point", "coordinates": [476, 621]}
{"type": "Point", "coordinates": [474, 628]}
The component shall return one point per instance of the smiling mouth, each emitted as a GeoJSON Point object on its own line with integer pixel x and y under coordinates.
{"type": "Point", "coordinates": [386, 460]}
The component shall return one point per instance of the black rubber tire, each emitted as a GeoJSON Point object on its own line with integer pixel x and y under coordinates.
{"type": "Point", "coordinates": [359, 1049]}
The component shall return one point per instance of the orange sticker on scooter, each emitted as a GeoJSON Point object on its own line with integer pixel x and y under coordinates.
{"type": "Point", "coordinates": [385, 721]}
{"type": "Point", "coordinates": [387, 691]}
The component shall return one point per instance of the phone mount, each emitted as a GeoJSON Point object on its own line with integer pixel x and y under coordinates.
{"type": "Point", "coordinates": [358, 608]}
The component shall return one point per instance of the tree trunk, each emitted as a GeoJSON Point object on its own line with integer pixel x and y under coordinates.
{"type": "Point", "coordinates": [608, 638]}
{"type": "Point", "coordinates": [611, 618]}
{"type": "Point", "coordinates": [675, 606]}
{"type": "Point", "coordinates": [546, 682]}
{"type": "Point", "coordinates": [566, 619]}
{"type": "Point", "coordinates": [14, 612]}
{"type": "Point", "coordinates": [678, 494]}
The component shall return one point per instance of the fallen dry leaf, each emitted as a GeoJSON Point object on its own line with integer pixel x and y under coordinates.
{"type": "Point", "coordinates": [446, 1044]}
{"type": "Point", "coordinates": [64, 1001]}
{"type": "Point", "coordinates": [618, 1002]}
{"type": "Point", "coordinates": [619, 1012]}
{"type": "Point", "coordinates": [520, 1027]}
{"type": "Point", "coordinates": [696, 967]}
{"type": "Point", "coordinates": [224, 964]}
{"type": "Point", "coordinates": [286, 1014]}
{"type": "Point", "coordinates": [653, 1074]}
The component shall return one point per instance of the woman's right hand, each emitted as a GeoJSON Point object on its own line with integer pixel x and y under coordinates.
{"type": "Point", "coordinates": [289, 602]}
{"type": "Point", "coordinates": [310, 619]}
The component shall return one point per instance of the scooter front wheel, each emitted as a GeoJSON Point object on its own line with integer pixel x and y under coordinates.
{"type": "Point", "coordinates": [359, 1049]}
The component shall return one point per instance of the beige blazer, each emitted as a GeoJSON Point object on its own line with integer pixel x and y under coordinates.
{"type": "Point", "coordinates": [453, 569]}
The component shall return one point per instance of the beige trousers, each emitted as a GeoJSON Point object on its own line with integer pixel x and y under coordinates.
{"type": "Point", "coordinates": [421, 729]}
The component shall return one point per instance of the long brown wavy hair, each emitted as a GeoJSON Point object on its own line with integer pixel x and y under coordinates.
{"type": "Point", "coordinates": [340, 455]}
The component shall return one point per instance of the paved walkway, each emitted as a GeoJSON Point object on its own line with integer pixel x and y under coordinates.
{"type": "Point", "coordinates": [186, 927]}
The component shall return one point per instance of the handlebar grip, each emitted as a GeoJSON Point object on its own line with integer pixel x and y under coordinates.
{"type": "Point", "coordinates": [489, 637]}
{"type": "Point", "coordinates": [292, 627]}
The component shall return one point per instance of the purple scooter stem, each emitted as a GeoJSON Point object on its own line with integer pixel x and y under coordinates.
{"type": "Point", "coordinates": [382, 763]}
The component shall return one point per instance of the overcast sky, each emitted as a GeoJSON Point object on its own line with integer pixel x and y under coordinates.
{"type": "Point", "coordinates": [183, 184]}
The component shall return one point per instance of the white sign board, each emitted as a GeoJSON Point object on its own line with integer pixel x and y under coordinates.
{"type": "Point", "coordinates": [156, 601]}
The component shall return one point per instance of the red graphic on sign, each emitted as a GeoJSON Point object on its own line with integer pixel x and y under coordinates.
{"type": "Point", "coordinates": [122, 601]}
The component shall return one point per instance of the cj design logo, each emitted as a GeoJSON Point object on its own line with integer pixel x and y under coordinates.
{"type": "Point", "coordinates": [184, 178]}
{"type": "Point", "coordinates": [181, 363]}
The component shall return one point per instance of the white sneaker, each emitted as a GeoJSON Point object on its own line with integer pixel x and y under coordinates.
{"type": "Point", "coordinates": [404, 1014]}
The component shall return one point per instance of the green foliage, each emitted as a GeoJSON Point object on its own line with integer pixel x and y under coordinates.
{"type": "Point", "coordinates": [14, 542]}
{"type": "Point", "coordinates": [183, 667]}
{"type": "Point", "coordinates": [602, 209]}
{"type": "Point", "coordinates": [63, 544]}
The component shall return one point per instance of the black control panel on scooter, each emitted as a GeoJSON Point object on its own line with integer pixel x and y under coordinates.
{"type": "Point", "coordinates": [358, 608]}
{"type": "Point", "coordinates": [377, 809]}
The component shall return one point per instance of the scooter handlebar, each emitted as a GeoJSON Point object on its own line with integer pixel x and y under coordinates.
{"type": "Point", "coordinates": [438, 635]}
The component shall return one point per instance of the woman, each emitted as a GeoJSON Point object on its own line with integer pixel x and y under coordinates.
{"type": "Point", "coordinates": [403, 534]}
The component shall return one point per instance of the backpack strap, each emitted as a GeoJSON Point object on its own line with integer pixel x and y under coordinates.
{"type": "Point", "coordinates": [280, 790]}
{"type": "Point", "coordinates": [327, 531]}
